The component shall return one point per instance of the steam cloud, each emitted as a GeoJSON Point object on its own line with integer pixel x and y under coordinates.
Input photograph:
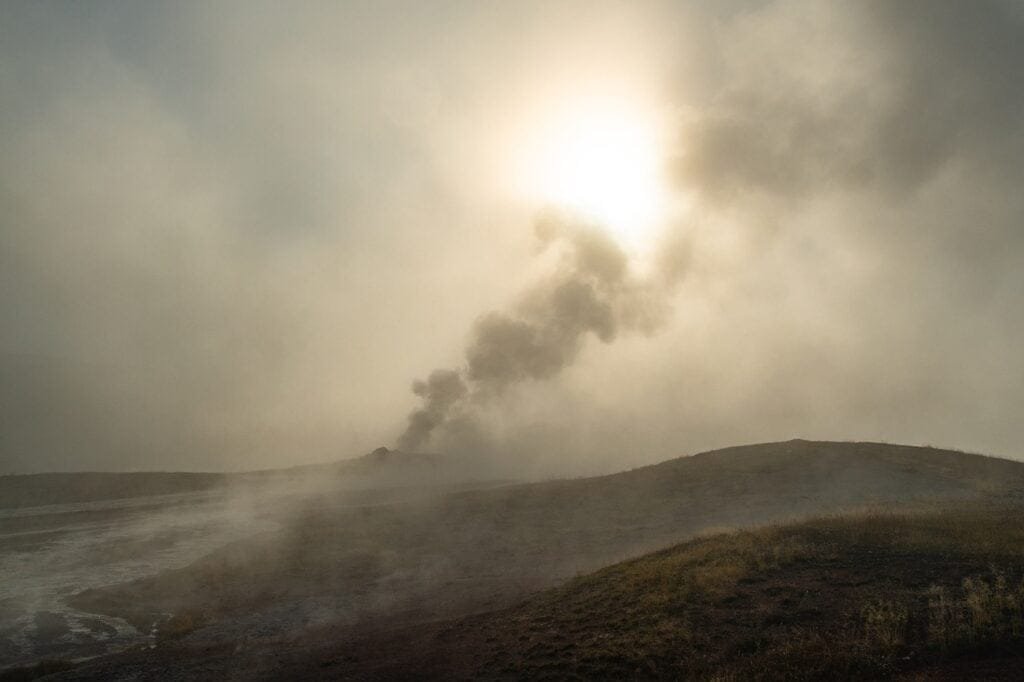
{"type": "Point", "coordinates": [898, 118]}
{"type": "Point", "coordinates": [245, 232]}
{"type": "Point", "coordinates": [592, 291]}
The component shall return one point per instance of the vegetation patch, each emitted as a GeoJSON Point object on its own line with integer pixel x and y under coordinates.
{"type": "Point", "coordinates": [848, 597]}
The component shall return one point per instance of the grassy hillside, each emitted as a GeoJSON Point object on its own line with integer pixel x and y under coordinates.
{"type": "Point", "coordinates": [936, 595]}
{"type": "Point", "coordinates": [362, 566]}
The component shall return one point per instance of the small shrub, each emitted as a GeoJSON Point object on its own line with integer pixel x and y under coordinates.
{"type": "Point", "coordinates": [989, 610]}
{"type": "Point", "coordinates": [945, 621]}
{"type": "Point", "coordinates": [885, 623]}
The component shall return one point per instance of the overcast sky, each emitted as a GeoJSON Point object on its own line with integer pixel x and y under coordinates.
{"type": "Point", "coordinates": [233, 235]}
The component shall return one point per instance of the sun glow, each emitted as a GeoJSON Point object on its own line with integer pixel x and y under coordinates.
{"type": "Point", "coordinates": [602, 161]}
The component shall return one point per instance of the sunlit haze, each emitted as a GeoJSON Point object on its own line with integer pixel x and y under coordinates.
{"type": "Point", "coordinates": [603, 160]}
{"type": "Point", "coordinates": [553, 237]}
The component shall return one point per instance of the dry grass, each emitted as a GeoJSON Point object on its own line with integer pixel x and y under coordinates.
{"type": "Point", "coordinates": [984, 610]}
{"type": "Point", "coordinates": [868, 596]}
{"type": "Point", "coordinates": [885, 623]}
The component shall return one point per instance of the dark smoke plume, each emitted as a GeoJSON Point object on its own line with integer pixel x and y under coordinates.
{"type": "Point", "coordinates": [592, 291]}
{"type": "Point", "coordinates": [442, 389]}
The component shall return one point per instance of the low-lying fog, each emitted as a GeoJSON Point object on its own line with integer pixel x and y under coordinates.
{"type": "Point", "coordinates": [52, 552]}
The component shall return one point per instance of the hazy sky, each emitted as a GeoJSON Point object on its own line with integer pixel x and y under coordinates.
{"type": "Point", "coordinates": [232, 235]}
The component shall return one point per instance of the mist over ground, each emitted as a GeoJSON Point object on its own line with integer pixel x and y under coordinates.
{"type": "Point", "coordinates": [234, 235]}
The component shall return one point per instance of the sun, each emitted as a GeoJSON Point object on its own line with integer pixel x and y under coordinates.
{"type": "Point", "coordinates": [602, 161]}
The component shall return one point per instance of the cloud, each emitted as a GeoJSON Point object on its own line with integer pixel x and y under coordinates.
{"type": "Point", "coordinates": [215, 212]}
{"type": "Point", "coordinates": [876, 95]}
{"type": "Point", "coordinates": [231, 235]}
{"type": "Point", "coordinates": [853, 248]}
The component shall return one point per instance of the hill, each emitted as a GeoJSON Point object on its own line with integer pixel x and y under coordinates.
{"type": "Point", "coordinates": [362, 566]}
{"type": "Point", "coordinates": [935, 595]}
